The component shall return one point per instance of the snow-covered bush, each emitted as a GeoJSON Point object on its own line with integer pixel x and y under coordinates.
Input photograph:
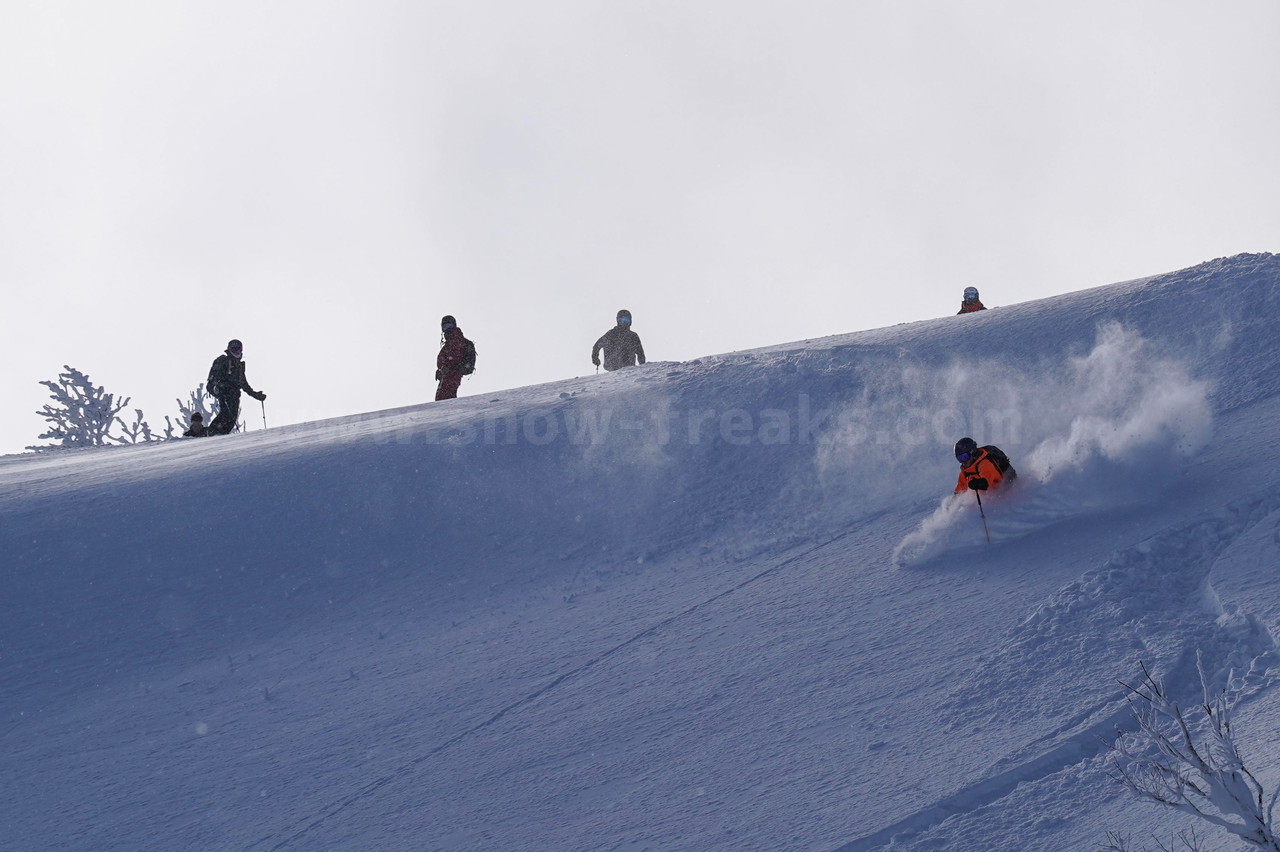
{"type": "Point", "coordinates": [1193, 765]}
{"type": "Point", "coordinates": [137, 432]}
{"type": "Point", "coordinates": [83, 413]}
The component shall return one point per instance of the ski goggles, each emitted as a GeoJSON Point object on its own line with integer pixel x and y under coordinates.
{"type": "Point", "coordinates": [624, 320]}
{"type": "Point", "coordinates": [445, 326]}
{"type": "Point", "coordinates": [963, 457]}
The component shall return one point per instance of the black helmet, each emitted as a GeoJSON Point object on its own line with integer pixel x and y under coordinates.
{"type": "Point", "coordinates": [971, 294]}
{"type": "Point", "coordinates": [624, 315]}
{"type": "Point", "coordinates": [197, 417]}
{"type": "Point", "coordinates": [234, 344]}
{"type": "Point", "coordinates": [966, 447]}
{"type": "Point", "coordinates": [448, 318]}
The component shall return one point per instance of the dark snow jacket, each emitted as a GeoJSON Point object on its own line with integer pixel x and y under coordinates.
{"type": "Point", "coordinates": [452, 352]}
{"type": "Point", "coordinates": [621, 347]}
{"type": "Point", "coordinates": [226, 378]}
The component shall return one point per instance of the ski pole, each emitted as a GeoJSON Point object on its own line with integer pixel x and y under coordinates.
{"type": "Point", "coordinates": [263, 403]}
{"type": "Point", "coordinates": [985, 531]}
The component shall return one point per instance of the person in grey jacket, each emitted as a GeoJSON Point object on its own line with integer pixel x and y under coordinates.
{"type": "Point", "coordinates": [621, 345]}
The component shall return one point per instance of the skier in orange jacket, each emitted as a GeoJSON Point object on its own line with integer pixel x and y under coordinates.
{"type": "Point", "coordinates": [982, 468]}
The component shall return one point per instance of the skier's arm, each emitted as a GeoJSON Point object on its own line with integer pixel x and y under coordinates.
{"type": "Point", "coordinates": [595, 350]}
{"type": "Point", "coordinates": [241, 380]}
{"type": "Point", "coordinates": [639, 348]}
{"type": "Point", "coordinates": [258, 395]}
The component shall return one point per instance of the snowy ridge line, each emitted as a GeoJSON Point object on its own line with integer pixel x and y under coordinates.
{"type": "Point", "coordinates": [1228, 649]}
{"type": "Point", "coordinates": [405, 769]}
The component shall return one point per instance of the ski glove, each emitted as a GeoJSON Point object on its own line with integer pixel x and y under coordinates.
{"type": "Point", "coordinates": [595, 361]}
{"type": "Point", "coordinates": [439, 375]}
{"type": "Point", "coordinates": [977, 484]}
{"type": "Point", "coordinates": [258, 395]}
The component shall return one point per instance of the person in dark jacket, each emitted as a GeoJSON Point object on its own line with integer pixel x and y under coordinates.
{"type": "Point", "coordinates": [196, 429]}
{"type": "Point", "coordinates": [621, 345]}
{"type": "Point", "coordinates": [226, 380]}
{"type": "Point", "coordinates": [455, 360]}
{"type": "Point", "coordinates": [982, 468]}
{"type": "Point", "coordinates": [971, 302]}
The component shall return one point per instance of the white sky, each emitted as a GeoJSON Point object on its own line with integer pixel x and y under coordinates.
{"type": "Point", "coordinates": [325, 179]}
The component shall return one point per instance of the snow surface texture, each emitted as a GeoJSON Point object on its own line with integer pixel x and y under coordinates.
{"type": "Point", "coordinates": [709, 605]}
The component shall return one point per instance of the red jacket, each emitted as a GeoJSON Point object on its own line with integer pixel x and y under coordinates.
{"type": "Point", "coordinates": [451, 353]}
{"type": "Point", "coordinates": [980, 466]}
{"type": "Point", "coordinates": [970, 307]}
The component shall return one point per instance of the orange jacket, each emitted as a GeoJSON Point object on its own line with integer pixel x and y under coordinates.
{"type": "Point", "coordinates": [980, 466]}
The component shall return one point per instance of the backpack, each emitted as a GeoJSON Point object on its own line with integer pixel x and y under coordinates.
{"type": "Point", "coordinates": [468, 365]}
{"type": "Point", "coordinates": [1001, 461]}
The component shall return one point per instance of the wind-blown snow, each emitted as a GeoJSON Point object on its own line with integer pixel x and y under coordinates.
{"type": "Point", "coordinates": [1102, 430]}
{"type": "Point", "coordinates": [721, 604]}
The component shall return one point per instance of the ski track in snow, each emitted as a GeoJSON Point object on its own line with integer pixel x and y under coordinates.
{"type": "Point", "coordinates": [407, 768]}
{"type": "Point", "coordinates": [1174, 562]}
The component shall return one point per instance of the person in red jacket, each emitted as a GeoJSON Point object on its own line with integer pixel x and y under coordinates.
{"type": "Point", "coordinates": [982, 468]}
{"type": "Point", "coordinates": [456, 359]}
{"type": "Point", "coordinates": [971, 302]}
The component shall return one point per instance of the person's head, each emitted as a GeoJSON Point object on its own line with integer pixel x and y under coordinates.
{"type": "Point", "coordinates": [971, 294]}
{"type": "Point", "coordinates": [447, 322]}
{"type": "Point", "coordinates": [235, 348]}
{"type": "Point", "coordinates": [966, 450]}
{"type": "Point", "coordinates": [624, 318]}
{"type": "Point", "coordinates": [197, 417]}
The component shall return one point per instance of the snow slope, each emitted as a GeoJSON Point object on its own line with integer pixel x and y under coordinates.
{"type": "Point", "coordinates": [720, 604]}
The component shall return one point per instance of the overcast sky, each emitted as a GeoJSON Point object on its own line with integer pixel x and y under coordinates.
{"type": "Point", "coordinates": [324, 180]}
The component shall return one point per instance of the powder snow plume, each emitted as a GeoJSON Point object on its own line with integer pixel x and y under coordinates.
{"type": "Point", "coordinates": [1105, 429]}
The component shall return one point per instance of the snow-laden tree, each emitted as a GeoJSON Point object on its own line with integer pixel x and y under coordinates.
{"type": "Point", "coordinates": [136, 432]}
{"type": "Point", "coordinates": [83, 413]}
{"type": "Point", "coordinates": [1193, 764]}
